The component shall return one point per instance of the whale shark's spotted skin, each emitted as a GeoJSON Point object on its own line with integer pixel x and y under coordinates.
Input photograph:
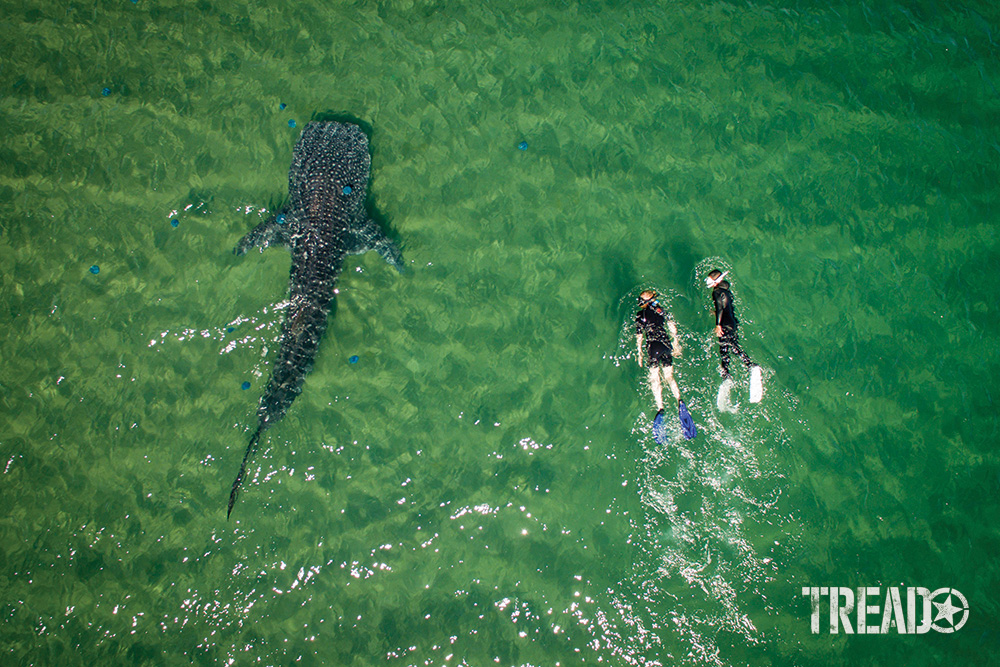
{"type": "Point", "coordinates": [324, 221]}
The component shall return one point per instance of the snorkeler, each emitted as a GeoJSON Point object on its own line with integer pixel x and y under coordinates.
{"type": "Point", "coordinates": [726, 330]}
{"type": "Point", "coordinates": [649, 329]}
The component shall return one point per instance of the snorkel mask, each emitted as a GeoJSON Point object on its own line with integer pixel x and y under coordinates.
{"type": "Point", "coordinates": [712, 282]}
{"type": "Point", "coordinates": [648, 301]}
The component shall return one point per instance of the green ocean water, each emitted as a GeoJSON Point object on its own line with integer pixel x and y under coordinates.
{"type": "Point", "coordinates": [482, 486]}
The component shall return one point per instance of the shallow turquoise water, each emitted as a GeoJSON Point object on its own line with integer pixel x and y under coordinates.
{"type": "Point", "coordinates": [482, 487]}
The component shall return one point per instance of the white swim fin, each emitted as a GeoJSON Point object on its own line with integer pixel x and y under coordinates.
{"type": "Point", "coordinates": [722, 400]}
{"type": "Point", "coordinates": [756, 385]}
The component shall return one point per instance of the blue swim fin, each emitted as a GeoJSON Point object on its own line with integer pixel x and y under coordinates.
{"type": "Point", "coordinates": [659, 432]}
{"type": "Point", "coordinates": [687, 424]}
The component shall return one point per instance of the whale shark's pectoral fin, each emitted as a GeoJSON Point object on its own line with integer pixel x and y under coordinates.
{"type": "Point", "coordinates": [369, 236]}
{"type": "Point", "coordinates": [273, 231]}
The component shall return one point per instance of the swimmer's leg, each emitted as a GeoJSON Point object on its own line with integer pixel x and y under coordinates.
{"type": "Point", "coordinates": [747, 361]}
{"type": "Point", "coordinates": [668, 377]}
{"type": "Point", "coordinates": [654, 383]}
{"type": "Point", "coordinates": [724, 356]}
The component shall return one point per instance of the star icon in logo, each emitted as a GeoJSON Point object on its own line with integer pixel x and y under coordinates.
{"type": "Point", "coordinates": [947, 610]}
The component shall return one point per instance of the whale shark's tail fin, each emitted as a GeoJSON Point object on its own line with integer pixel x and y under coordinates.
{"type": "Point", "coordinates": [247, 457]}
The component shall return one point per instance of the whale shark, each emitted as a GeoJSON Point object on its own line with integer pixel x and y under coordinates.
{"type": "Point", "coordinates": [324, 221]}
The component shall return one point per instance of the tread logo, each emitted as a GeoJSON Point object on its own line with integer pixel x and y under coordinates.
{"type": "Point", "coordinates": [942, 610]}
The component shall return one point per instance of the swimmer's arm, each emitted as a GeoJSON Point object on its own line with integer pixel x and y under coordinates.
{"type": "Point", "coordinates": [720, 308]}
{"type": "Point", "coordinates": [676, 347]}
{"type": "Point", "coordinates": [638, 348]}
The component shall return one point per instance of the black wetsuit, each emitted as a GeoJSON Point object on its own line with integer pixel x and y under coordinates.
{"type": "Point", "coordinates": [649, 322]}
{"type": "Point", "coordinates": [725, 317]}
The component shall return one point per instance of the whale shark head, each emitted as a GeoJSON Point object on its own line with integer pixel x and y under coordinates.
{"type": "Point", "coordinates": [328, 178]}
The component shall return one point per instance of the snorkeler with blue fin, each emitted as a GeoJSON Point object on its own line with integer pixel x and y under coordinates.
{"type": "Point", "coordinates": [651, 333]}
{"type": "Point", "coordinates": [726, 326]}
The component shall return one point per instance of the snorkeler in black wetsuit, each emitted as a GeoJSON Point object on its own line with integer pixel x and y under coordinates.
{"type": "Point", "coordinates": [726, 324]}
{"type": "Point", "coordinates": [649, 328]}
